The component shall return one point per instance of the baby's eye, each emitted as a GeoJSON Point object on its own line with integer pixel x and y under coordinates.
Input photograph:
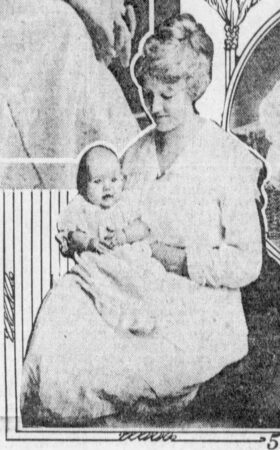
{"type": "Point", "coordinates": [114, 179]}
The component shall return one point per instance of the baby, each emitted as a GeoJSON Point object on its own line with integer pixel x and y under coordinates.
{"type": "Point", "coordinates": [100, 186]}
{"type": "Point", "coordinates": [102, 231]}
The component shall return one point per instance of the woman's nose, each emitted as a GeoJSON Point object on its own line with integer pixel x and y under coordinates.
{"type": "Point", "coordinates": [157, 104]}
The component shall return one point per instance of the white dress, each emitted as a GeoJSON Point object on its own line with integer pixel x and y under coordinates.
{"type": "Point", "coordinates": [208, 201]}
{"type": "Point", "coordinates": [127, 284]}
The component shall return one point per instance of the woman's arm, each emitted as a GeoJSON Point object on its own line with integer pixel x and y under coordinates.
{"type": "Point", "coordinates": [237, 261]}
{"type": "Point", "coordinates": [172, 258]}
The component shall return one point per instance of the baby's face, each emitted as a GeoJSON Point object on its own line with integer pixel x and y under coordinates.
{"type": "Point", "coordinates": [105, 181]}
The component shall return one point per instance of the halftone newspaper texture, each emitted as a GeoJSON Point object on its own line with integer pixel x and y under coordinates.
{"type": "Point", "coordinates": [140, 221]}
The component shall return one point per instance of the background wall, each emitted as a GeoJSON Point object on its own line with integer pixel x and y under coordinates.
{"type": "Point", "coordinates": [211, 104]}
{"type": "Point", "coordinates": [259, 76]}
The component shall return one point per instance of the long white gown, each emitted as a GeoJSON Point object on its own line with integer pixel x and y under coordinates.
{"type": "Point", "coordinates": [79, 368]}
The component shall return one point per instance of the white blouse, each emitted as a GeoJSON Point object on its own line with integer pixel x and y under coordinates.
{"type": "Point", "coordinates": [205, 202]}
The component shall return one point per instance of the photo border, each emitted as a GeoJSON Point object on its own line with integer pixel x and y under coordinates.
{"type": "Point", "coordinates": [14, 431]}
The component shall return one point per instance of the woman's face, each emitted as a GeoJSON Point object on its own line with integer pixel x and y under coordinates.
{"type": "Point", "coordinates": [168, 103]}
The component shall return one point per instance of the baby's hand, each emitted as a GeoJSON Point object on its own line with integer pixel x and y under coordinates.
{"type": "Point", "coordinates": [77, 241]}
{"type": "Point", "coordinates": [105, 235]}
{"type": "Point", "coordinates": [95, 245]}
{"type": "Point", "coordinates": [119, 238]}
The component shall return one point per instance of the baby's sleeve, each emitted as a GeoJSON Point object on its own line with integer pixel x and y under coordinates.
{"type": "Point", "coordinates": [70, 219]}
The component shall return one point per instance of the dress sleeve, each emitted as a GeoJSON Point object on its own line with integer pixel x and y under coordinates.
{"type": "Point", "coordinates": [71, 219]}
{"type": "Point", "coordinates": [237, 261]}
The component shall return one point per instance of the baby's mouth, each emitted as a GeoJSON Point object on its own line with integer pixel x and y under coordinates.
{"type": "Point", "coordinates": [107, 197]}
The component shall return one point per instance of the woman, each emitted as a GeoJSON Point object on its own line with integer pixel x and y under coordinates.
{"type": "Point", "coordinates": [198, 189]}
{"type": "Point", "coordinates": [56, 93]}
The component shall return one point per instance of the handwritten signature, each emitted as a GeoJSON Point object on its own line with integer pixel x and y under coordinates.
{"type": "Point", "coordinates": [152, 436]}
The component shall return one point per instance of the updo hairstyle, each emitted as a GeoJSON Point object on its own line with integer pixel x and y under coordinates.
{"type": "Point", "coordinates": [179, 48]}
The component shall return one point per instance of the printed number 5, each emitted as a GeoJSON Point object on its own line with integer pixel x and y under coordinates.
{"type": "Point", "coordinates": [273, 443]}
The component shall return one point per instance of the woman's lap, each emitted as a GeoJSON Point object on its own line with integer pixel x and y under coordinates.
{"type": "Point", "coordinates": [85, 367]}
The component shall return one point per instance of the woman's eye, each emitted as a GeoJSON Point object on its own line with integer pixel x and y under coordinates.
{"type": "Point", "coordinates": [166, 97]}
{"type": "Point", "coordinates": [97, 181]}
{"type": "Point", "coordinates": [114, 180]}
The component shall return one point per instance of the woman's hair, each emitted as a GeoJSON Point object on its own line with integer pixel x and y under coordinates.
{"type": "Point", "coordinates": [269, 114]}
{"type": "Point", "coordinates": [179, 48]}
{"type": "Point", "coordinates": [83, 174]}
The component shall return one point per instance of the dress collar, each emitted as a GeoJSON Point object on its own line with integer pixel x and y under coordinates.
{"type": "Point", "coordinates": [190, 155]}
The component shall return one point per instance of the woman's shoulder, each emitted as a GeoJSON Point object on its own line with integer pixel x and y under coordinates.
{"type": "Point", "coordinates": [231, 153]}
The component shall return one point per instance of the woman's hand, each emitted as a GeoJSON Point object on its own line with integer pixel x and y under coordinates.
{"type": "Point", "coordinates": [172, 258]}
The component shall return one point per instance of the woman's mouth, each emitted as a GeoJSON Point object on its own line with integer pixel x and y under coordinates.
{"type": "Point", "coordinates": [160, 117]}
